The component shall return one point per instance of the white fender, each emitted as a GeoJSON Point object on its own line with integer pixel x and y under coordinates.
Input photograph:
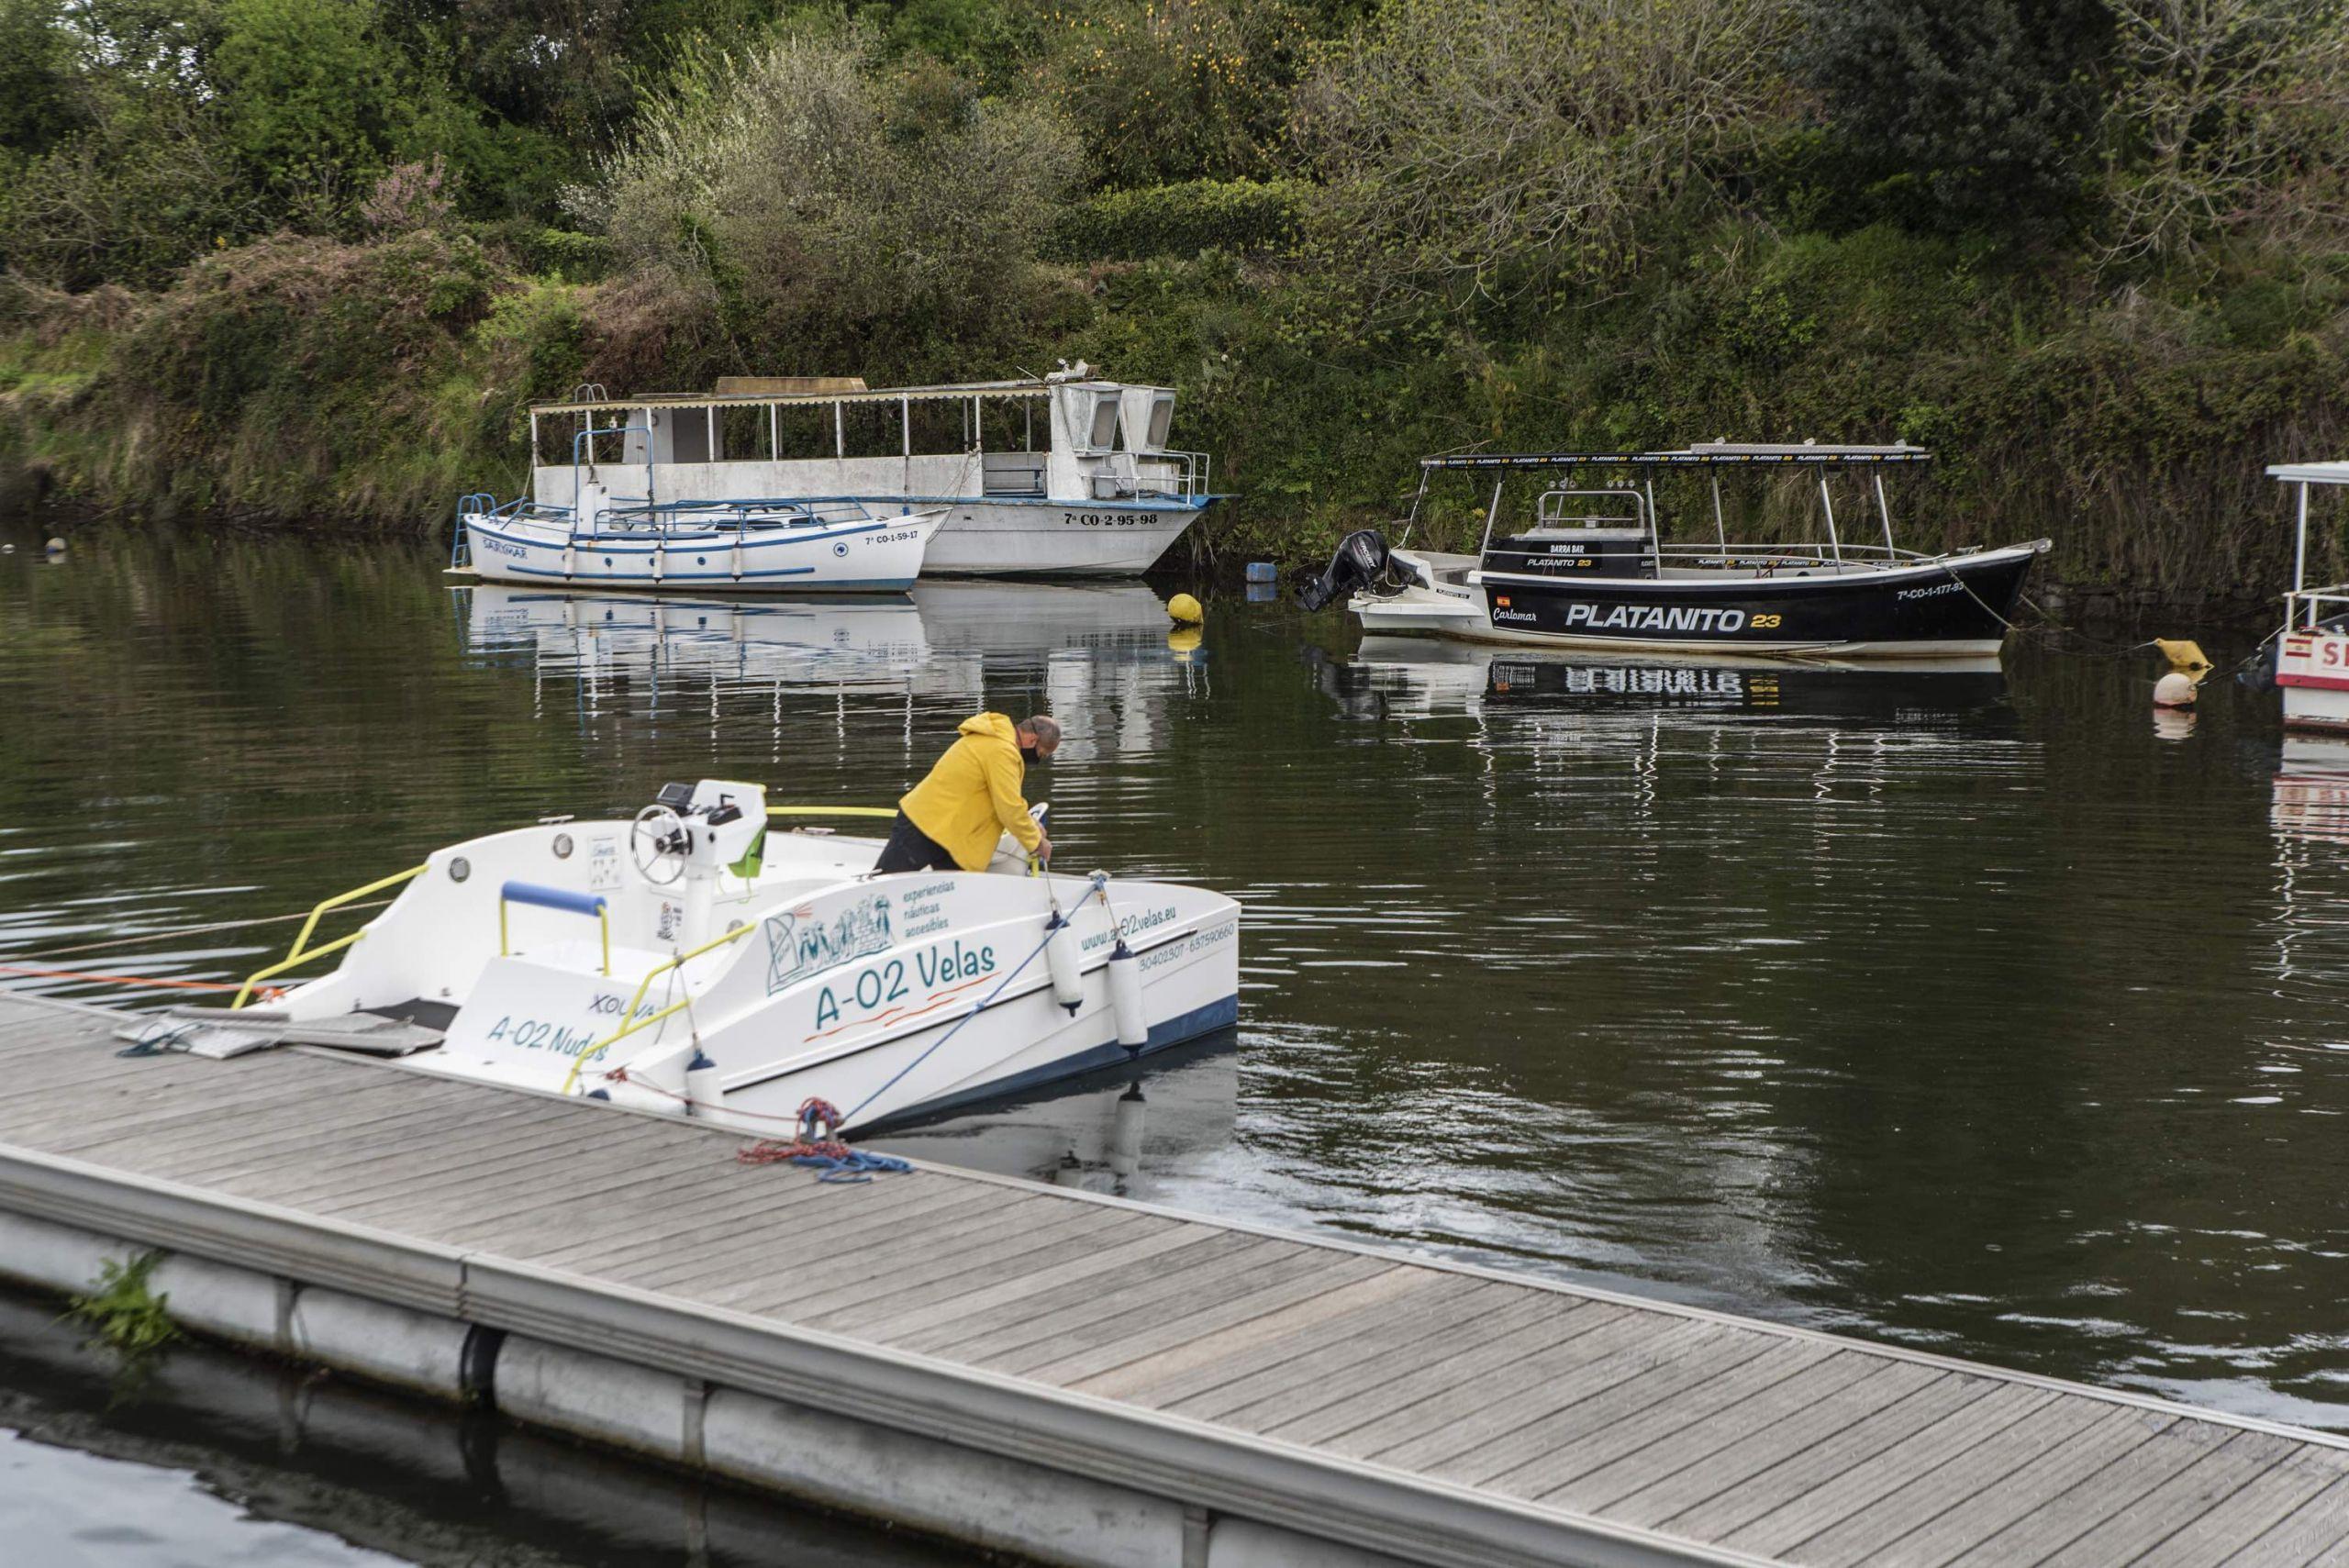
{"type": "Point", "coordinates": [1067, 963]}
{"type": "Point", "coordinates": [1124, 997]}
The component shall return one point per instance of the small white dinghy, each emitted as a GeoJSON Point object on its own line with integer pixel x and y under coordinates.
{"type": "Point", "coordinates": [696, 546]}
{"type": "Point", "coordinates": [695, 961]}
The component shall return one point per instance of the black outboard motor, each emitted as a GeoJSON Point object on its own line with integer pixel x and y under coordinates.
{"type": "Point", "coordinates": [1361, 561]}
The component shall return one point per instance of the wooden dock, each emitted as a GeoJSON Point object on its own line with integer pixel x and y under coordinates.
{"type": "Point", "coordinates": [1391, 1408]}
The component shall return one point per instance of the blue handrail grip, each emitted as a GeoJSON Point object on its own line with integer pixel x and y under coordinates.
{"type": "Point", "coordinates": [545, 897]}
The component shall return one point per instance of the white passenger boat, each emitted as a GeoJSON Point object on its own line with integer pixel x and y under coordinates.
{"type": "Point", "coordinates": [692, 546]}
{"type": "Point", "coordinates": [2310, 658]}
{"type": "Point", "coordinates": [1587, 566]}
{"type": "Point", "coordinates": [1065, 474]}
{"type": "Point", "coordinates": [698, 961]}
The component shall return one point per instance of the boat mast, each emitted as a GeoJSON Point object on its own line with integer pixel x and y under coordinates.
{"type": "Point", "coordinates": [1492, 510]}
{"type": "Point", "coordinates": [1885, 512]}
{"type": "Point", "coordinates": [1720, 529]}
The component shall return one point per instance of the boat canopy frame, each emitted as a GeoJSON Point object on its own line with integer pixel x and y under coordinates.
{"type": "Point", "coordinates": [1714, 455]}
{"type": "Point", "coordinates": [2304, 605]}
{"type": "Point", "coordinates": [1192, 476]}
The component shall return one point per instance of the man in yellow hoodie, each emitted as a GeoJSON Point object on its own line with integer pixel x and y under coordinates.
{"type": "Point", "coordinates": [953, 818]}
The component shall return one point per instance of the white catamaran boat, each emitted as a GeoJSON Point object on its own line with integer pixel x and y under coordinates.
{"type": "Point", "coordinates": [1069, 474]}
{"type": "Point", "coordinates": [1590, 568]}
{"type": "Point", "coordinates": [2310, 651]}
{"type": "Point", "coordinates": [695, 961]}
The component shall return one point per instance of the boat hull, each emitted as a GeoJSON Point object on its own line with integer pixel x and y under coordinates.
{"type": "Point", "coordinates": [1957, 607]}
{"type": "Point", "coordinates": [888, 996]}
{"type": "Point", "coordinates": [2312, 670]}
{"type": "Point", "coordinates": [988, 537]}
{"type": "Point", "coordinates": [874, 556]}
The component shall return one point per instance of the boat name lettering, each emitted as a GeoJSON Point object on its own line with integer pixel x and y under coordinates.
{"type": "Point", "coordinates": [903, 536]}
{"type": "Point", "coordinates": [799, 945]}
{"type": "Point", "coordinates": [948, 964]}
{"type": "Point", "coordinates": [1952, 586]}
{"type": "Point", "coordinates": [536, 1034]}
{"type": "Point", "coordinates": [1101, 519]}
{"type": "Point", "coordinates": [1651, 618]}
{"type": "Point", "coordinates": [1148, 920]}
{"type": "Point", "coordinates": [611, 1004]}
{"type": "Point", "coordinates": [496, 546]}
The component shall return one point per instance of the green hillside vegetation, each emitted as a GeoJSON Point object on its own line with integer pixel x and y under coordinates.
{"type": "Point", "coordinates": [308, 262]}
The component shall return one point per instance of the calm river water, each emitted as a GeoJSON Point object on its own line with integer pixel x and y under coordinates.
{"type": "Point", "coordinates": [1970, 1011]}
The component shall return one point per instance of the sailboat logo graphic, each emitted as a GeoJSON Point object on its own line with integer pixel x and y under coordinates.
{"type": "Point", "coordinates": [799, 945]}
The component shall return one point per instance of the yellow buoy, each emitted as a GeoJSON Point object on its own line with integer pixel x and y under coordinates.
{"type": "Point", "coordinates": [2183, 653]}
{"type": "Point", "coordinates": [1186, 609]}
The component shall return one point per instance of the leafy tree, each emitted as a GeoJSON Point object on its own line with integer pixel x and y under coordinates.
{"type": "Point", "coordinates": [1980, 112]}
{"type": "Point", "coordinates": [812, 205]}
{"type": "Point", "coordinates": [2229, 116]}
{"type": "Point", "coordinates": [1480, 149]}
{"type": "Point", "coordinates": [40, 101]}
{"type": "Point", "coordinates": [1172, 90]}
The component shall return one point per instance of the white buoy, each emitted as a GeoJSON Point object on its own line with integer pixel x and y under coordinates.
{"type": "Point", "coordinates": [8, 550]}
{"type": "Point", "coordinates": [1067, 963]}
{"type": "Point", "coordinates": [1124, 997]}
{"type": "Point", "coordinates": [56, 547]}
{"type": "Point", "coordinates": [2173, 690]}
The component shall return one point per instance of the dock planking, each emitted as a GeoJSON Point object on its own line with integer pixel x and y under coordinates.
{"type": "Point", "coordinates": [1692, 1435]}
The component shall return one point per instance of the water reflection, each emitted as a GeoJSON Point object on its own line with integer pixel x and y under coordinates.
{"type": "Point", "coordinates": [1939, 1005]}
{"type": "Point", "coordinates": [222, 1460]}
{"type": "Point", "coordinates": [1151, 1131]}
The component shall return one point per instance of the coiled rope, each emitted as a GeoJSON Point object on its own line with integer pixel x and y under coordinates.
{"type": "Point", "coordinates": [832, 1159]}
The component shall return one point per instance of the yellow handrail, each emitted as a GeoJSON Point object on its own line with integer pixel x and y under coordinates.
{"type": "Point", "coordinates": [302, 952]}
{"type": "Point", "coordinates": [630, 1023]}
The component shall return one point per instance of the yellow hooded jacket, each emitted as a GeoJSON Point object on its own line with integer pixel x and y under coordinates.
{"type": "Point", "coordinates": [972, 796]}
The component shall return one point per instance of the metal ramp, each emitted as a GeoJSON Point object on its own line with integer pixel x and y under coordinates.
{"type": "Point", "coordinates": [220, 1033]}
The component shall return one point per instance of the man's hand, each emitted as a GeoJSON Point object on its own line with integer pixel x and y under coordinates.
{"type": "Point", "coordinates": [1043, 848]}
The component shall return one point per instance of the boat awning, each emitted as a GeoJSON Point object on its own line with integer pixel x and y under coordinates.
{"type": "Point", "coordinates": [955, 393]}
{"type": "Point", "coordinates": [1710, 454]}
{"type": "Point", "coordinates": [2309, 472]}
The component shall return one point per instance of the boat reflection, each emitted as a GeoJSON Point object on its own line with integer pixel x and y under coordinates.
{"type": "Point", "coordinates": [1415, 678]}
{"type": "Point", "coordinates": [1128, 1131]}
{"type": "Point", "coordinates": [1101, 655]}
{"type": "Point", "coordinates": [2311, 790]}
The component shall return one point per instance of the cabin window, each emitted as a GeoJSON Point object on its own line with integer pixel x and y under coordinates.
{"type": "Point", "coordinates": [873, 430]}
{"type": "Point", "coordinates": [1105, 422]}
{"type": "Point", "coordinates": [1162, 421]}
{"type": "Point", "coordinates": [741, 434]}
{"type": "Point", "coordinates": [689, 433]}
{"type": "Point", "coordinates": [802, 430]}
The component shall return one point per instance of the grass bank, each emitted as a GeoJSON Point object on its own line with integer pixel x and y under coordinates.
{"type": "Point", "coordinates": [307, 382]}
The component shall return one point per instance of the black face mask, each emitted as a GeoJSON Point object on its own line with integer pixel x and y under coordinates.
{"type": "Point", "coordinates": [1027, 752]}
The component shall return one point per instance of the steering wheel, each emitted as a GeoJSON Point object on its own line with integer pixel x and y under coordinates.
{"type": "Point", "coordinates": [657, 839]}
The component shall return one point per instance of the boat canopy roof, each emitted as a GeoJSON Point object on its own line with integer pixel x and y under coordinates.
{"type": "Point", "coordinates": [2309, 472]}
{"type": "Point", "coordinates": [959, 391]}
{"type": "Point", "coordinates": [1704, 455]}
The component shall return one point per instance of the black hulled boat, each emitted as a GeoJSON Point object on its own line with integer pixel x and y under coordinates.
{"type": "Point", "coordinates": [1587, 566]}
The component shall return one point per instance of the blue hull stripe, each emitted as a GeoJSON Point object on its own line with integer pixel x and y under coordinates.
{"type": "Point", "coordinates": [754, 538]}
{"type": "Point", "coordinates": [1174, 1031]}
